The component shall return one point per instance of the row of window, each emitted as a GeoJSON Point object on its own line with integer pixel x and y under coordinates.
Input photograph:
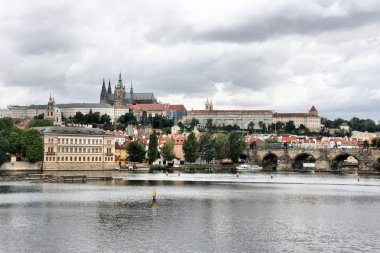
{"type": "Point", "coordinates": [79, 150]}
{"type": "Point", "coordinates": [79, 141]}
{"type": "Point", "coordinates": [77, 159]}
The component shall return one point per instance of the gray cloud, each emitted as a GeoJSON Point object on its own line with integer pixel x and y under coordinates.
{"type": "Point", "coordinates": [283, 55]}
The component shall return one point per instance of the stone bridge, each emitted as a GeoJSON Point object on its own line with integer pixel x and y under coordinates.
{"type": "Point", "coordinates": [292, 159]}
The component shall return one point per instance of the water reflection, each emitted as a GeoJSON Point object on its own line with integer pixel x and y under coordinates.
{"type": "Point", "coordinates": [119, 216]}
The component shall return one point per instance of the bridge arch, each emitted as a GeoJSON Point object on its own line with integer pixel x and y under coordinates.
{"type": "Point", "coordinates": [300, 159]}
{"type": "Point", "coordinates": [269, 161]}
{"type": "Point", "coordinates": [345, 162]}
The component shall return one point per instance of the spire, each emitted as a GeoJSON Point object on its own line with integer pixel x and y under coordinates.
{"type": "Point", "coordinates": [103, 93]}
{"type": "Point", "coordinates": [120, 82]}
{"type": "Point", "coordinates": [109, 91]}
{"type": "Point", "coordinates": [104, 85]}
{"type": "Point", "coordinates": [131, 88]}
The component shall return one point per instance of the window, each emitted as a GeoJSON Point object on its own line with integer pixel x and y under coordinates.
{"type": "Point", "coordinates": [66, 158]}
{"type": "Point", "coordinates": [71, 158]}
{"type": "Point", "coordinates": [71, 141]}
{"type": "Point", "coordinates": [88, 159]}
{"type": "Point", "coordinates": [92, 158]}
{"type": "Point", "coordinates": [100, 159]}
{"type": "Point", "coordinates": [75, 141]}
{"type": "Point", "coordinates": [80, 141]}
{"type": "Point", "coordinates": [79, 158]}
{"type": "Point", "coordinates": [75, 159]}
{"type": "Point", "coordinates": [58, 159]}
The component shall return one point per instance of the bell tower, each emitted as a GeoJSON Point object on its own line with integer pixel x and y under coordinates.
{"type": "Point", "coordinates": [119, 92]}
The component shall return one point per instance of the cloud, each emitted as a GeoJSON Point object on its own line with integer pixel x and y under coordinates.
{"type": "Point", "coordinates": [280, 55]}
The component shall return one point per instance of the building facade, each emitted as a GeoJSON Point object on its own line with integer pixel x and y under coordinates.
{"type": "Point", "coordinates": [311, 120]}
{"type": "Point", "coordinates": [74, 148]}
{"type": "Point", "coordinates": [241, 118]}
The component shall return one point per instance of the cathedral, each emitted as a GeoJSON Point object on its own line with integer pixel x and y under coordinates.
{"type": "Point", "coordinates": [120, 97]}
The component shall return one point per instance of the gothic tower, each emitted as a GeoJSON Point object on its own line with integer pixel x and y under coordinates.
{"type": "Point", "coordinates": [103, 94]}
{"type": "Point", "coordinates": [119, 93]}
{"type": "Point", "coordinates": [208, 105]}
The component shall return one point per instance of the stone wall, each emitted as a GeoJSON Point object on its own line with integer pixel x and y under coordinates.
{"type": "Point", "coordinates": [21, 166]}
{"type": "Point", "coordinates": [83, 166]}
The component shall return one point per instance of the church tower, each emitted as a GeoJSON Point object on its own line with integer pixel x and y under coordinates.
{"type": "Point", "coordinates": [119, 93]}
{"type": "Point", "coordinates": [208, 105]}
{"type": "Point", "coordinates": [103, 94]}
{"type": "Point", "coordinates": [53, 113]}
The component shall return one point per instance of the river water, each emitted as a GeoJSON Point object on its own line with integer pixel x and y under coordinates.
{"type": "Point", "coordinates": [193, 213]}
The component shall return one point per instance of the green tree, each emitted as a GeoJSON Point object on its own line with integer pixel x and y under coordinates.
{"type": "Point", "coordinates": [191, 148]}
{"type": "Point", "coordinates": [251, 127]}
{"type": "Point", "coordinates": [32, 145]}
{"type": "Point", "coordinates": [152, 148]}
{"type": "Point", "coordinates": [237, 146]}
{"type": "Point", "coordinates": [125, 119]}
{"type": "Point", "coordinates": [222, 147]}
{"type": "Point", "coordinates": [4, 147]}
{"type": "Point", "coordinates": [40, 123]}
{"type": "Point", "coordinates": [207, 147]}
{"type": "Point", "coordinates": [167, 151]}
{"type": "Point", "coordinates": [290, 127]}
{"type": "Point", "coordinates": [136, 151]}
{"type": "Point", "coordinates": [209, 125]}
{"type": "Point", "coordinates": [79, 118]}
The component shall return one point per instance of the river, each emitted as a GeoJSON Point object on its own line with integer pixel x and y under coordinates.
{"type": "Point", "coordinates": [193, 213]}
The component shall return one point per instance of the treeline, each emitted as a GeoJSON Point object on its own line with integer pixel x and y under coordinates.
{"type": "Point", "coordinates": [355, 124]}
{"type": "Point", "coordinates": [25, 144]}
{"type": "Point", "coordinates": [210, 147]}
{"type": "Point", "coordinates": [157, 122]}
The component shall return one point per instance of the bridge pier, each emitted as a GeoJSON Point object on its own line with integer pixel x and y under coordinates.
{"type": "Point", "coordinates": [322, 165]}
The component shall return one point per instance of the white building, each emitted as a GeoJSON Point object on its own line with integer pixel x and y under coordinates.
{"type": "Point", "coordinates": [74, 148]}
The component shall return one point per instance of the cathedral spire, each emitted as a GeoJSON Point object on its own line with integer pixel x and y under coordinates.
{"type": "Point", "coordinates": [131, 91]}
{"type": "Point", "coordinates": [109, 91]}
{"type": "Point", "coordinates": [120, 82]}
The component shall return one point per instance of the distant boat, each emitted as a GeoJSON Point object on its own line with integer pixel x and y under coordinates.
{"type": "Point", "coordinates": [138, 167]}
{"type": "Point", "coordinates": [248, 167]}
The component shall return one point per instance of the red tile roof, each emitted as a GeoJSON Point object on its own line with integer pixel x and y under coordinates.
{"type": "Point", "coordinates": [177, 107]}
{"type": "Point", "coordinates": [230, 111]}
{"type": "Point", "coordinates": [289, 115]}
{"type": "Point", "coordinates": [150, 107]}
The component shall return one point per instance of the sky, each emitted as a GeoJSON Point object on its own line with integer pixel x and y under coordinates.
{"type": "Point", "coordinates": [281, 55]}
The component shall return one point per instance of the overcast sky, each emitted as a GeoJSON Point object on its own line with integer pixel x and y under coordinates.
{"type": "Point", "coordinates": [282, 55]}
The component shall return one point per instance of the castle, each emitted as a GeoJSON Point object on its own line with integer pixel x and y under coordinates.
{"type": "Point", "coordinates": [121, 98]}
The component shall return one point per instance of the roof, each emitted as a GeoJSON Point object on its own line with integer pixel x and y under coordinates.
{"type": "Point", "coordinates": [141, 96]}
{"type": "Point", "coordinates": [230, 111]}
{"type": "Point", "coordinates": [177, 107]}
{"type": "Point", "coordinates": [292, 115]}
{"type": "Point", "coordinates": [313, 109]}
{"type": "Point", "coordinates": [150, 107]}
{"type": "Point", "coordinates": [73, 105]}
{"type": "Point", "coordinates": [72, 130]}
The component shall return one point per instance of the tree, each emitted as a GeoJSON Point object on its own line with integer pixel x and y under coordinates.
{"type": "Point", "coordinates": [190, 148]}
{"type": "Point", "coordinates": [251, 127]}
{"type": "Point", "coordinates": [152, 148]}
{"type": "Point", "coordinates": [39, 116]}
{"type": "Point", "coordinates": [289, 126]}
{"type": "Point", "coordinates": [209, 125]}
{"type": "Point", "coordinates": [221, 147]}
{"type": "Point", "coordinates": [32, 145]}
{"type": "Point", "coordinates": [167, 151]}
{"type": "Point", "coordinates": [125, 119]}
{"type": "Point", "coordinates": [136, 151]}
{"type": "Point", "coordinates": [237, 146]}
{"type": "Point", "coordinates": [79, 118]}
{"type": "Point", "coordinates": [4, 147]}
{"type": "Point", "coordinates": [40, 123]}
{"type": "Point", "coordinates": [207, 147]}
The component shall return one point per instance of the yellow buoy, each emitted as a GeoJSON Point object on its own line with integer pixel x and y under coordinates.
{"type": "Point", "coordinates": [154, 194]}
